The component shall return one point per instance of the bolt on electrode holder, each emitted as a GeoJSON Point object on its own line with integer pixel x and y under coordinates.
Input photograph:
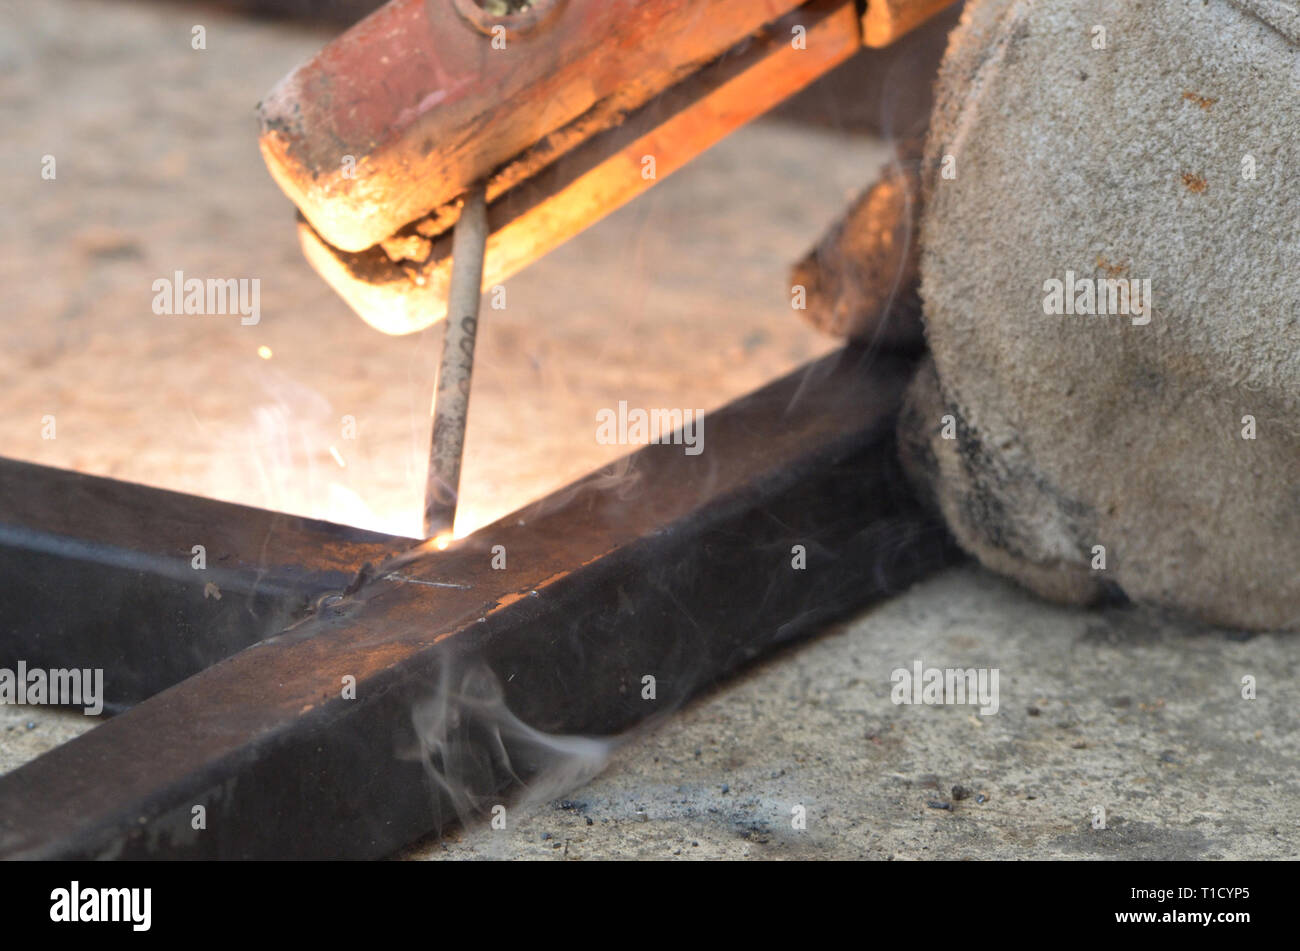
{"type": "Point", "coordinates": [516, 17]}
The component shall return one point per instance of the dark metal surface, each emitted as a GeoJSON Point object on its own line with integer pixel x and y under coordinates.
{"type": "Point", "coordinates": [99, 573]}
{"type": "Point", "coordinates": [670, 565]}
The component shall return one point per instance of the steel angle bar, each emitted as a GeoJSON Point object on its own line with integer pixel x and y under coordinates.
{"type": "Point", "coordinates": [152, 586]}
{"type": "Point", "coordinates": [445, 680]}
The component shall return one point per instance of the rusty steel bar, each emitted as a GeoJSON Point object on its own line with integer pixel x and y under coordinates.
{"type": "Point", "coordinates": [318, 743]}
{"type": "Point", "coordinates": [153, 586]}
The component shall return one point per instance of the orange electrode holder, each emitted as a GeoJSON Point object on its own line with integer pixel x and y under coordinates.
{"type": "Point", "coordinates": [566, 110]}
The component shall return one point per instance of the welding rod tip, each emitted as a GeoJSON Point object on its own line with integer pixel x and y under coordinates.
{"type": "Point", "coordinates": [451, 402]}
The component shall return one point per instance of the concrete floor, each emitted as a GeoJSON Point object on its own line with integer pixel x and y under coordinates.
{"type": "Point", "coordinates": [1120, 709]}
{"type": "Point", "coordinates": [679, 299]}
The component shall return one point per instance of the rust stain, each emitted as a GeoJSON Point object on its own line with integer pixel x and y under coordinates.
{"type": "Point", "coordinates": [508, 599]}
{"type": "Point", "coordinates": [1202, 101]}
{"type": "Point", "coordinates": [1195, 183]}
{"type": "Point", "coordinates": [1114, 270]}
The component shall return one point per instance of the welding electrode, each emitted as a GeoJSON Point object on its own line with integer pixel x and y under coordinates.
{"type": "Point", "coordinates": [451, 402]}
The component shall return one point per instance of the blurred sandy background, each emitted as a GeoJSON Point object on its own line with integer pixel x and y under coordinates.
{"type": "Point", "coordinates": [678, 300]}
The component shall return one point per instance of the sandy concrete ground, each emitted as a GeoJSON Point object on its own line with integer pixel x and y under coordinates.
{"type": "Point", "coordinates": [680, 299]}
{"type": "Point", "coordinates": [1120, 710]}
{"type": "Point", "coordinates": [677, 300]}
